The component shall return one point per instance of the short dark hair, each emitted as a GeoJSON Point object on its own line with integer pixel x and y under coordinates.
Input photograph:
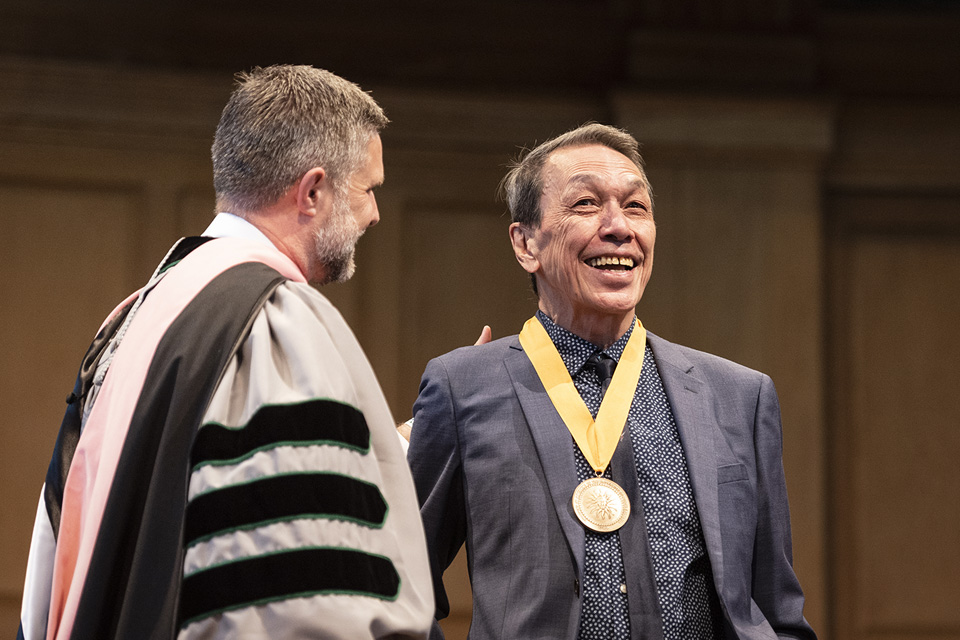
{"type": "Point", "coordinates": [523, 184]}
{"type": "Point", "coordinates": [280, 122]}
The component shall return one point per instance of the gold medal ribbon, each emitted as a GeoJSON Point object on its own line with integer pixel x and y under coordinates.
{"type": "Point", "coordinates": [596, 439]}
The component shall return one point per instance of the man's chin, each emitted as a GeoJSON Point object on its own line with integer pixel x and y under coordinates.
{"type": "Point", "coordinates": [621, 299]}
{"type": "Point", "coordinates": [346, 272]}
{"type": "Point", "coordinates": [339, 270]}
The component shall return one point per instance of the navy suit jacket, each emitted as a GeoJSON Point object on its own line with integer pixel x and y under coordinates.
{"type": "Point", "coordinates": [494, 468]}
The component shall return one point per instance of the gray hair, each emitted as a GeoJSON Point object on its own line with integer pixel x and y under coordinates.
{"type": "Point", "coordinates": [280, 122]}
{"type": "Point", "coordinates": [523, 184]}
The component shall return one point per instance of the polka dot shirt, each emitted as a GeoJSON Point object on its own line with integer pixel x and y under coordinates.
{"type": "Point", "coordinates": [680, 563]}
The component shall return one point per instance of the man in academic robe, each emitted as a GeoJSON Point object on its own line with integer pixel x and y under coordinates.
{"type": "Point", "coordinates": [228, 466]}
{"type": "Point", "coordinates": [607, 483]}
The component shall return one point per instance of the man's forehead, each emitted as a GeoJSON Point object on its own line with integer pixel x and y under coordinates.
{"type": "Point", "coordinates": [373, 165]}
{"type": "Point", "coordinates": [593, 167]}
{"type": "Point", "coordinates": [589, 179]}
{"type": "Point", "coordinates": [584, 163]}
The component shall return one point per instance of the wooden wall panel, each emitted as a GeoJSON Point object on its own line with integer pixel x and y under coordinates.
{"type": "Point", "coordinates": [458, 273]}
{"type": "Point", "coordinates": [896, 440]}
{"type": "Point", "coordinates": [66, 258]}
{"type": "Point", "coordinates": [905, 367]}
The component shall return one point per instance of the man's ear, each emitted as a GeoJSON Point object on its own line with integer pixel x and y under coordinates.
{"type": "Point", "coordinates": [524, 247]}
{"type": "Point", "coordinates": [312, 192]}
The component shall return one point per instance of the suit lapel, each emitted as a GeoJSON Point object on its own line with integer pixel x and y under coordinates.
{"type": "Point", "coordinates": [689, 402]}
{"type": "Point", "coordinates": [553, 442]}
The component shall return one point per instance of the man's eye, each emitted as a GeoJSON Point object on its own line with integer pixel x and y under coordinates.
{"type": "Point", "coordinates": [583, 202]}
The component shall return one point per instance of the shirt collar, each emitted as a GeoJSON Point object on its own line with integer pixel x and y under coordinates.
{"type": "Point", "coordinates": [575, 350]}
{"type": "Point", "coordinates": [228, 225]}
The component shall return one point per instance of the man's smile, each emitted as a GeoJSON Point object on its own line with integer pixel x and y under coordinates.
{"type": "Point", "coordinates": [615, 263]}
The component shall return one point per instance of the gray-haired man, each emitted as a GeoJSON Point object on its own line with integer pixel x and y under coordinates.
{"type": "Point", "coordinates": [608, 484]}
{"type": "Point", "coordinates": [228, 466]}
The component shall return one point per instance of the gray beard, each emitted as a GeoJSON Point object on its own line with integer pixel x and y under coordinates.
{"type": "Point", "coordinates": [335, 244]}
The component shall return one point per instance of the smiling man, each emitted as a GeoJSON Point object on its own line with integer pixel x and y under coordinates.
{"type": "Point", "coordinates": [607, 483]}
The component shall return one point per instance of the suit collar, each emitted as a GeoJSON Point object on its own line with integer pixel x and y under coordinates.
{"type": "Point", "coordinates": [689, 400]}
{"type": "Point", "coordinates": [553, 442]}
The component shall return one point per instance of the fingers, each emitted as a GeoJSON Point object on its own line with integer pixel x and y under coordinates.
{"type": "Point", "coordinates": [485, 335]}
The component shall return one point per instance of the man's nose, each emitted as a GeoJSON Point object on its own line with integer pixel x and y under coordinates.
{"type": "Point", "coordinates": [614, 222]}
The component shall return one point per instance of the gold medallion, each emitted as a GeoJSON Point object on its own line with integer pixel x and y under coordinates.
{"type": "Point", "coordinates": [601, 504]}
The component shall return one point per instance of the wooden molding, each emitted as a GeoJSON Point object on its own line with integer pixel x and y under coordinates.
{"type": "Point", "coordinates": [711, 123]}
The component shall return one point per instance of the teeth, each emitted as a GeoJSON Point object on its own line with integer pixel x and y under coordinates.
{"type": "Point", "coordinates": [604, 261]}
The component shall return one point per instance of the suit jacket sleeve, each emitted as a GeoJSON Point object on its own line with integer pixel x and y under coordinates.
{"type": "Point", "coordinates": [776, 589]}
{"type": "Point", "coordinates": [435, 462]}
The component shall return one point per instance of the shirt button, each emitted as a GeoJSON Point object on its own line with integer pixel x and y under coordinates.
{"type": "Point", "coordinates": [623, 588]}
{"type": "Point", "coordinates": [576, 586]}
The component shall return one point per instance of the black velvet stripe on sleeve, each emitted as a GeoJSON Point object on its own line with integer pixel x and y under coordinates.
{"type": "Point", "coordinates": [286, 575]}
{"type": "Point", "coordinates": [284, 497]}
{"type": "Point", "coordinates": [317, 421]}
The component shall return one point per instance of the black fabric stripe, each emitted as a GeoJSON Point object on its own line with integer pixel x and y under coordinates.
{"type": "Point", "coordinates": [183, 248]}
{"type": "Point", "coordinates": [313, 421]}
{"type": "Point", "coordinates": [131, 589]}
{"type": "Point", "coordinates": [69, 435]}
{"type": "Point", "coordinates": [284, 497]}
{"type": "Point", "coordinates": [282, 576]}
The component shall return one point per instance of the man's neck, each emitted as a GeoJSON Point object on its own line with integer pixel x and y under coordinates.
{"type": "Point", "coordinates": [600, 330]}
{"type": "Point", "coordinates": [285, 235]}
